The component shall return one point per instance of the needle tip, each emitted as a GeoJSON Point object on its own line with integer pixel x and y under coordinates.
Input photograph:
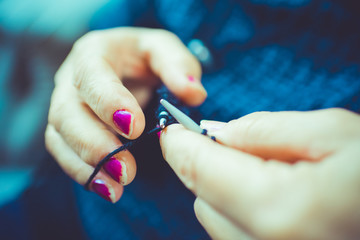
{"type": "Point", "coordinates": [162, 123]}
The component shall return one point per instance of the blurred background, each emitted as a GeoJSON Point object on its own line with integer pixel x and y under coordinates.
{"type": "Point", "coordinates": [35, 37]}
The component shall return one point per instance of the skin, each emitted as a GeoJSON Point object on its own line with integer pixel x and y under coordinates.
{"type": "Point", "coordinates": [283, 175]}
{"type": "Point", "coordinates": [106, 71]}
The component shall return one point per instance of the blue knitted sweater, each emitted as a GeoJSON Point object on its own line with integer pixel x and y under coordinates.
{"type": "Point", "coordinates": [268, 55]}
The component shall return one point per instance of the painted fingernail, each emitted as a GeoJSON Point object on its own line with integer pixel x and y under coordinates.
{"type": "Point", "coordinates": [191, 78]}
{"type": "Point", "coordinates": [100, 187]}
{"type": "Point", "coordinates": [123, 120]}
{"type": "Point", "coordinates": [195, 83]}
{"type": "Point", "coordinates": [116, 169]}
{"type": "Point", "coordinates": [158, 134]}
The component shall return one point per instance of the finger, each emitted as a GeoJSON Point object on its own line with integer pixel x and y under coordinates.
{"type": "Point", "coordinates": [88, 137]}
{"type": "Point", "coordinates": [240, 186]}
{"type": "Point", "coordinates": [288, 136]}
{"type": "Point", "coordinates": [216, 224]}
{"type": "Point", "coordinates": [141, 53]}
{"type": "Point", "coordinates": [77, 169]}
{"type": "Point", "coordinates": [212, 126]}
{"type": "Point", "coordinates": [100, 87]}
{"type": "Point", "coordinates": [174, 64]}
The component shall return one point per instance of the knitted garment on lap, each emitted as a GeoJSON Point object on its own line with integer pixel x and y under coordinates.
{"type": "Point", "coordinates": [266, 55]}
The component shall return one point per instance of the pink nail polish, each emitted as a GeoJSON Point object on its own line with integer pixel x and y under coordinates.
{"type": "Point", "coordinates": [102, 190]}
{"type": "Point", "coordinates": [158, 133]}
{"type": "Point", "coordinates": [123, 120]}
{"type": "Point", "coordinates": [116, 169]}
{"type": "Point", "coordinates": [191, 78]}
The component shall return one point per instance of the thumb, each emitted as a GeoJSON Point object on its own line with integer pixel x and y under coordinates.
{"type": "Point", "coordinates": [239, 186]}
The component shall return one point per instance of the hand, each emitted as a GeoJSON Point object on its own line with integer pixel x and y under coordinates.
{"type": "Point", "coordinates": [99, 91]}
{"type": "Point", "coordinates": [284, 175]}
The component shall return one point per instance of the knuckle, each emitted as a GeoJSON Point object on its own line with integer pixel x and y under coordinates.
{"type": "Point", "coordinates": [74, 140]}
{"type": "Point", "coordinates": [81, 74]}
{"type": "Point", "coordinates": [88, 87]}
{"type": "Point", "coordinates": [57, 77]}
{"type": "Point", "coordinates": [87, 151]}
{"type": "Point", "coordinates": [78, 174]}
{"type": "Point", "coordinates": [343, 124]}
{"type": "Point", "coordinates": [84, 146]}
{"type": "Point", "coordinates": [54, 111]}
{"type": "Point", "coordinates": [99, 104]}
{"type": "Point", "coordinates": [337, 119]}
{"type": "Point", "coordinates": [83, 67]}
{"type": "Point", "coordinates": [249, 119]}
{"type": "Point", "coordinates": [48, 138]}
{"type": "Point", "coordinates": [255, 119]}
{"type": "Point", "coordinates": [257, 115]}
{"type": "Point", "coordinates": [76, 64]}
{"type": "Point", "coordinates": [92, 153]}
{"type": "Point", "coordinates": [165, 34]}
{"type": "Point", "coordinates": [82, 149]}
{"type": "Point", "coordinates": [96, 99]}
{"type": "Point", "coordinates": [247, 128]}
{"type": "Point", "coordinates": [57, 109]}
{"type": "Point", "coordinates": [86, 40]}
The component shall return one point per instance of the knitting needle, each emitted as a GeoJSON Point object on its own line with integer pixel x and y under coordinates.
{"type": "Point", "coordinates": [164, 117]}
{"type": "Point", "coordinates": [181, 117]}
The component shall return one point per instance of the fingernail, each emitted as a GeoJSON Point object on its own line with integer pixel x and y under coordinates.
{"type": "Point", "coordinates": [123, 120]}
{"type": "Point", "coordinates": [116, 169]}
{"type": "Point", "coordinates": [212, 126]}
{"type": "Point", "coordinates": [158, 134]}
{"type": "Point", "coordinates": [103, 190]}
{"type": "Point", "coordinates": [191, 78]}
{"type": "Point", "coordinates": [196, 83]}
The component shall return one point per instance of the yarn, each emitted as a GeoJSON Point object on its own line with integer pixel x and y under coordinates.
{"type": "Point", "coordinates": [162, 93]}
{"type": "Point", "coordinates": [126, 146]}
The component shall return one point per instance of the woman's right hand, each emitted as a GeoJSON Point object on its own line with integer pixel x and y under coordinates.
{"type": "Point", "coordinates": [279, 175]}
{"type": "Point", "coordinates": [99, 92]}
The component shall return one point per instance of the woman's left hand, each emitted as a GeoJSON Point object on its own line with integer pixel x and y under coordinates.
{"type": "Point", "coordinates": [285, 175]}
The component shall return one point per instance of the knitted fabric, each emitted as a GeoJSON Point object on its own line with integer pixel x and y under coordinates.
{"type": "Point", "coordinates": [267, 55]}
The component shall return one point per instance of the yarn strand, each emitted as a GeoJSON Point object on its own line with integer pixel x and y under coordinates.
{"type": "Point", "coordinates": [163, 93]}
{"type": "Point", "coordinates": [126, 146]}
